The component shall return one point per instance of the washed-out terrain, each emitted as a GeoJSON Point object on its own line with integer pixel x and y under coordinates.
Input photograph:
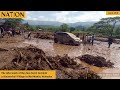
{"type": "Point", "coordinates": [7, 53]}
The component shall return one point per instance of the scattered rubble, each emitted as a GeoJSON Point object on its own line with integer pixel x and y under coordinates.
{"type": "Point", "coordinates": [32, 58]}
{"type": "Point", "coordinates": [96, 60]}
{"type": "Point", "coordinates": [43, 36]}
{"type": "Point", "coordinates": [62, 62]}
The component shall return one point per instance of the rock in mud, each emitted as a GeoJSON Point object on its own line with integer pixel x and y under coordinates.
{"type": "Point", "coordinates": [96, 61]}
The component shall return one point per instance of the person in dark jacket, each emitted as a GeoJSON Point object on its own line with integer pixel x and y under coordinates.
{"type": "Point", "coordinates": [92, 39]}
{"type": "Point", "coordinates": [2, 32]}
{"type": "Point", "coordinates": [110, 41]}
{"type": "Point", "coordinates": [29, 35]}
{"type": "Point", "coordinates": [13, 32]}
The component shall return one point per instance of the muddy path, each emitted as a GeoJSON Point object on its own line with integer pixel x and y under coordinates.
{"type": "Point", "coordinates": [99, 48]}
{"type": "Point", "coordinates": [53, 49]}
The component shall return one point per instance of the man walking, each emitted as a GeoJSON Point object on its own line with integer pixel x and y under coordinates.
{"type": "Point", "coordinates": [29, 35]}
{"type": "Point", "coordinates": [13, 32]}
{"type": "Point", "coordinates": [110, 41]}
{"type": "Point", "coordinates": [2, 31]}
{"type": "Point", "coordinates": [92, 39]}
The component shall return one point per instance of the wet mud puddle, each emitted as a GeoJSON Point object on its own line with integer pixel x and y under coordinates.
{"type": "Point", "coordinates": [100, 48]}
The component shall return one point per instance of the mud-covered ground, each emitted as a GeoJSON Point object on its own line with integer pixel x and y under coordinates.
{"type": "Point", "coordinates": [99, 48]}
{"type": "Point", "coordinates": [52, 49]}
{"type": "Point", "coordinates": [17, 55]}
{"type": "Point", "coordinates": [7, 44]}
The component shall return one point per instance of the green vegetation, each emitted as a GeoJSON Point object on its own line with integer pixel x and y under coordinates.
{"type": "Point", "coordinates": [48, 28]}
{"type": "Point", "coordinates": [13, 22]}
{"type": "Point", "coordinates": [106, 27]}
{"type": "Point", "coordinates": [64, 28]}
{"type": "Point", "coordinates": [29, 27]}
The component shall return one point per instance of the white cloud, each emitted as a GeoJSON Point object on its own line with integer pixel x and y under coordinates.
{"type": "Point", "coordinates": [66, 16]}
{"type": "Point", "coordinates": [62, 16]}
{"type": "Point", "coordinates": [28, 17]}
{"type": "Point", "coordinates": [90, 16]}
{"type": "Point", "coordinates": [43, 18]}
{"type": "Point", "coordinates": [34, 18]}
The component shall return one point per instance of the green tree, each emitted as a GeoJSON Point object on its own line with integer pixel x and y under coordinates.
{"type": "Point", "coordinates": [107, 24]}
{"type": "Point", "coordinates": [72, 29]}
{"type": "Point", "coordinates": [13, 22]}
{"type": "Point", "coordinates": [38, 27]}
{"type": "Point", "coordinates": [29, 27]}
{"type": "Point", "coordinates": [64, 28]}
{"type": "Point", "coordinates": [117, 32]}
{"type": "Point", "coordinates": [26, 25]}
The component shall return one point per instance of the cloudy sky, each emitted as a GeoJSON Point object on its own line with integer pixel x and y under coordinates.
{"type": "Point", "coordinates": [66, 16]}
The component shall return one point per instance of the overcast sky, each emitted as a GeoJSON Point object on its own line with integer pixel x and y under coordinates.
{"type": "Point", "coordinates": [66, 16]}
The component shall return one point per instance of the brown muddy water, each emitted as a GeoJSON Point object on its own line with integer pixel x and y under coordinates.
{"type": "Point", "coordinates": [99, 48]}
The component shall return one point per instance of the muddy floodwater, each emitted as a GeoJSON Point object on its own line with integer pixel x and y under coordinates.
{"type": "Point", "coordinates": [99, 48]}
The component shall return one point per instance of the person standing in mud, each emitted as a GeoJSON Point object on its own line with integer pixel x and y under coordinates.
{"type": "Point", "coordinates": [110, 41]}
{"type": "Point", "coordinates": [29, 35]}
{"type": "Point", "coordinates": [10, 33]}
{"type": "Point", "coordinates": [92, 39]}
{"type": "Point", "coordinates": [84, 39]}
{"type": "Point", "coordinates": [13, 32]}
{"type": "Point", "coordinates": [1, 31]}
{"type": "Point", "coordinates": [88, 39]}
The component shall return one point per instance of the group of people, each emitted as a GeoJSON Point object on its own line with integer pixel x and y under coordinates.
{"type": "Point", "coordinates": [9, 31]}
{"type": "Point", "coordinates": [89, 39]}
